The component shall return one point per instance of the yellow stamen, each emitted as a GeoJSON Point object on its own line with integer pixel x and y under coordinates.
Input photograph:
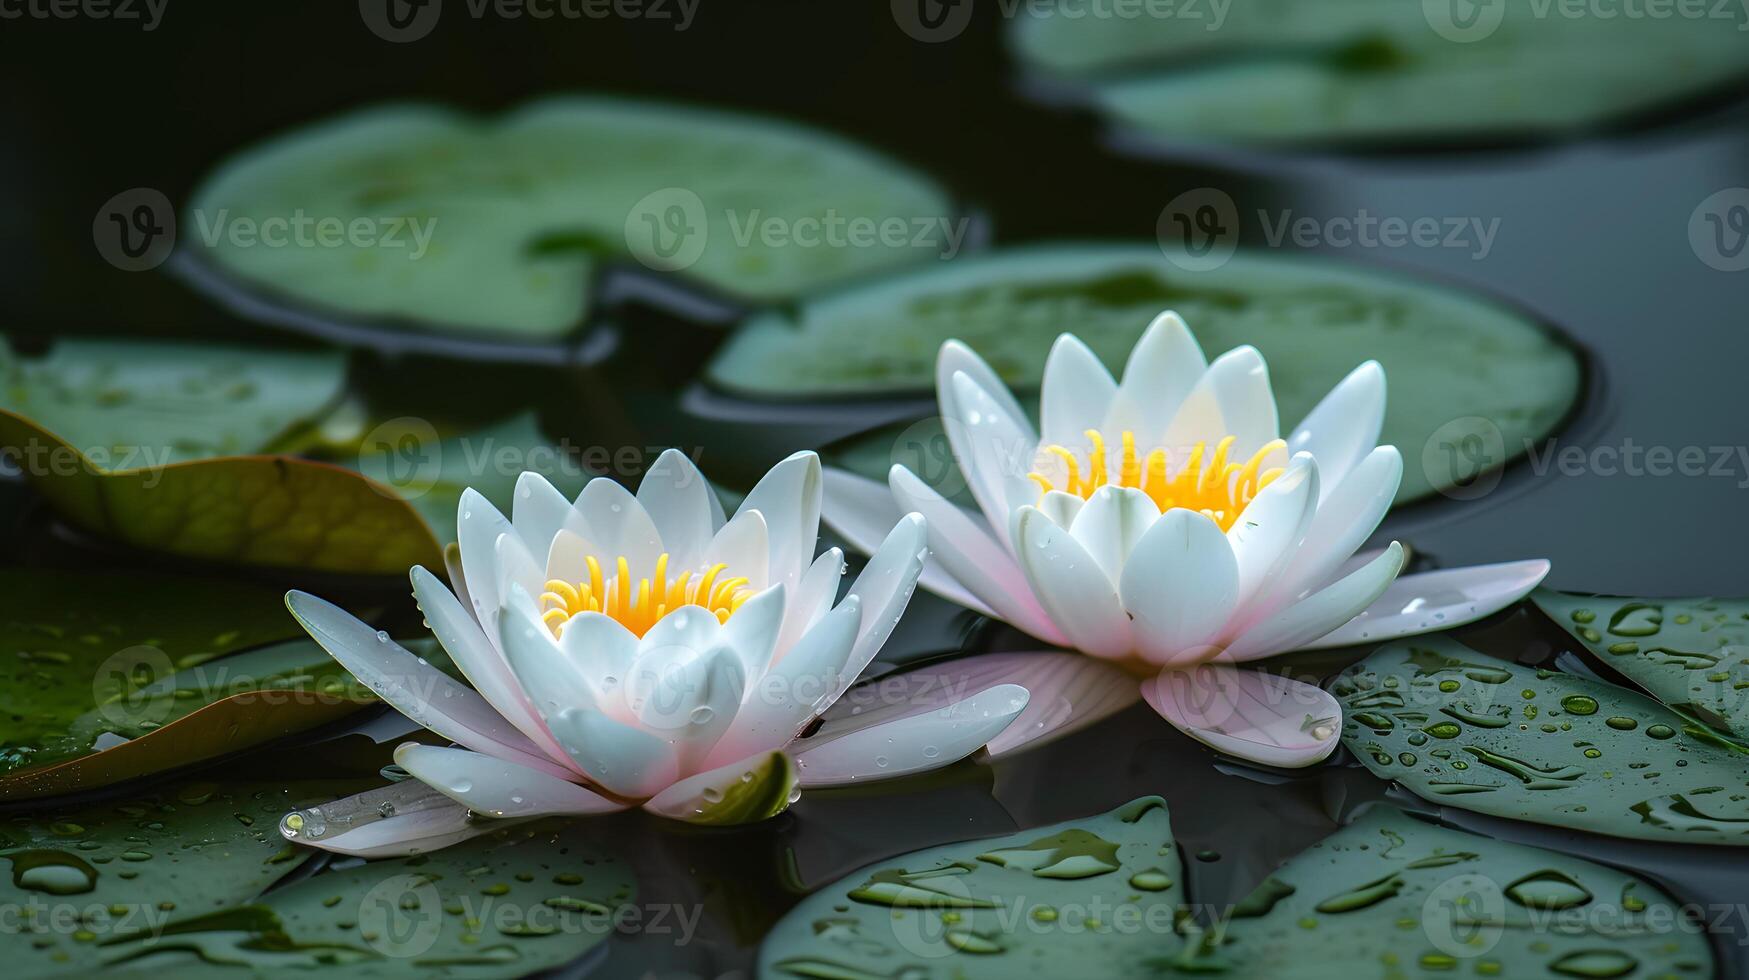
{"type": "Point", "coordinates": [638, 604]}
{"type": "Point", "coordinates": [1206, 483]}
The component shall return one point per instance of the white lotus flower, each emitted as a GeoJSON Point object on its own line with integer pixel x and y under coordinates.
{"type": "Point", "coordinates": [640, 650]}
{"type": "Point", "coordinates": [1161, 522]}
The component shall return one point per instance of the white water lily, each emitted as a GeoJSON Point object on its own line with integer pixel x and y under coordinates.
{"type": "Point", "coordinates": [640, 651]}
{"type": "Point", "coordinates": [1162, 523]}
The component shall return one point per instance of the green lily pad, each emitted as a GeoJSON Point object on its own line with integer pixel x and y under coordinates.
{"type": "Point", "coordinates": [117, 676]}
{"type": "Point", "coordinates": [1378, 70]}
{"type": "Point", "coordinates": [1422, 900]}
{"type": "Point", "coordinates": [1462, 370]}
{"type": "Point", "coordinates": [1464, 730]}
{"type": "Point", "coordinates": [1691, 654]}
{"type": "Point", "coordinates": [128, 405]}
{"type": "Point", "coordinates": [499, 226]}
{"type": "Point", "coordinates": [1046, 902]}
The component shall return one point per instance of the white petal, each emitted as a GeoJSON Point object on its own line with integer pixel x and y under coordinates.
{"type": "Point", "coordinates": [745, 791]}
{"type": "Point", "coordinates": [743, 546]}
{"type": "Point", "coordinates": [955, 356]}
{"type": "Point", "coordinates": [622, 759]}
{"type": "Point", "coordinates": [478, 528]}
{"type": "Point", "coordinates": [784, 701]}
{"type": "Point", "coordinates": [539, 511]}
{"type": "Point", "coordinates": [615, 520]}
{"type": "Point", "coordinates": [1061, 507]}
{"type": "Point", "coordinates": [813, 598]}
{"type": "Point", "coordinates": [1437, 600]}
{"type": "Point", "coordinates": [883, 745]}
{"type": "Point", "coordinates": [601, 651]}
{"type": "Point", "coordinates": [752, 631]}
{"type": "Point", "coordinates": [552, 677]}
{"type": "Point", "coordinates": [1345, 426]}
{"type": "Point", "coordinates": [1255, 716]}
{"type": "Point", "coordinates": [1071, 586]}
{"type": "Point", "coordinates": [479, 660]}
{"type": "Point", "coordinates": [1231, 398]}
{"type": "Point", "coordinates": [960, 542]}
{"type": "Point", "coordinates": [1270, 530]}
{"type": "Point", "coordinates": [517, 571]}
{"type": "Point", "coordinates": [495, 788]}
{"type": "Point", "coordinates": [1319, 613]}
{"type": "Point", "coordinates": [1111, 523]}
{"type": "Point", "coordinates": [1163, 366]}
{"type": "Point", "coordinates": [994, 450]}
{"type": "Point", "coordinates": [458, 580]}
{"type": "Point", "coordinates": [1076, 392]}
{"type": "Point", "coordinates": [789, 496]}
{"type": "Point", "coordinates": [420, 820]}
{"type": "Point", "coordinates": [688, 700]}
{"type": "Point", "coordinates": [415, 688]}
{"type": "Point", "coordinates": [1341, 524]}
{"type": "Point", "coordinates": [884, 589]}
{"type": "Point", "coordinates": [568, 557]}
{"type": "Point", "coordinates": [1180, 584]}
{"type": "Point", "coordinates": [677, 498]}
{"type": "Point", "coordinates": [862, 511]}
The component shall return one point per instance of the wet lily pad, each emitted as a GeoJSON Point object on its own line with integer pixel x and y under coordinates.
{"type": "Point", "coordinates": [500, 226]}
{"type": "Point", "coordinates": [128, 405]}
{"type": "Point", "coordinates": [1461, 369]}
{"type": "Point", "coordinates": [1691, 654]}
{"type": "Point", "coordinates": [1464, 730]}
{"type": "Point", "coordinates": [1046, 902]}
{"type": "Point", "coordinates": [1376, 71]}
{"type": "Point", "coordinates": [1422, 900]}
{"type": "Point", "coordinates": [117, 676]}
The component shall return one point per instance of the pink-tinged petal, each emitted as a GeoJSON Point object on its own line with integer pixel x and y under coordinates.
{"type": "Point", "coordinates": [961, 543]}
{"type": "Point", "coordinates": [790, 498]}
{"type": "Point", "coordinates": [904, 738]}
{"type": "Point", "coordinates": [1319, 613]}
{"type": "Point", "coordinates": [1180, 585]}
{"type": "Point", "coordinates": [1071, 586]}
{"type": "Point", "coordinates": [1112, 522]}
{"type": "Point", "coordinates": [1232, 398]}
{"type": "Point", "coordinates": [1341, 524]}
{"type": "Point", "coordinates": [1438, 600]}
{"type": "Point", "coordinates": [1163, 366]}
{"type": "Point", "coordinates": [1076, 392]}
{"type": "Point", "coordinates": [677, 498]}
{"type": "Point", "coordinates": [615, 520]}
{"type": "Point", "coordinates": [1344, 427]}
{"type": "Point", "coordinates": [479, 660]}
{"type": "Point", "coordinates": [405, 818]}
{"type": "Point", "coordinates": [495, 788]}
{"type": "Point", "coordinates": [1272, 528]}
{"type": "Point", "coordinates": [743, 546]}
{"type": "Point", "coordinates": [957, 357]}
{"type": "Point", "coordinates": [798, 688]}
{"type": "Point", "coordinates": [862, 511]}
{"type": "Point", "coordinates": [1258, 717]}
{"type": "Point", "coordinates": [538, 511]}
{"type": "Point", "coordinates": [418, 690]}
{"type": "Point", "coordinates": [750, 790]}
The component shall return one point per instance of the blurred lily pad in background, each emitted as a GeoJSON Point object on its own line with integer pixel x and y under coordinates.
{"type": "Point", "coordinates": [505, 223]}
{"type": "Point", "coordinates": [1465, 730]}
{"type": "Point", "coordinates": [1461, 368]}
{"type": "Point", "coordinates": [1384, 71]}
{"type": "Point", "coordinates": [113, 676]}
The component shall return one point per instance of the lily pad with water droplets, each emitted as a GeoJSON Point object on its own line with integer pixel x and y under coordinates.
{"type": "Point", "coordinates": [118, 676]}
{"type": "Point", "coordinates": [1422, 900]}
{"type": "Point", "coordinates": [1691, 654]}
{"type": "Point", "coordinates": [1097, 896]}
{"type": "Point", "coordinates": [1463, 370]}
{"type": "Point", "coordinates": [502, 226]}
{"type": "Point", "coordinates": [1464, 730]}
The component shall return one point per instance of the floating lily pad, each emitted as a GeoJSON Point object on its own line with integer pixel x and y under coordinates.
{"type": "Point", "coordinates": [500, 226]}
{"type": "Point", "coordinates": [1461, 369]}
{"type": "Point", "coordinates": [1276, 74]}
{"type": "Point", "coordinates": [127, 405]}
{"type": "Point", "coordinates": [1691, 654]}
{"type": "Point", "coordinates": [118, 676]}
{"type": "Point", "coordinates": [1464, 730]}
{"type": "Point", "coordinates": [1422, 900]}
{"type": "Point", "coordinates": [1050, 902]}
